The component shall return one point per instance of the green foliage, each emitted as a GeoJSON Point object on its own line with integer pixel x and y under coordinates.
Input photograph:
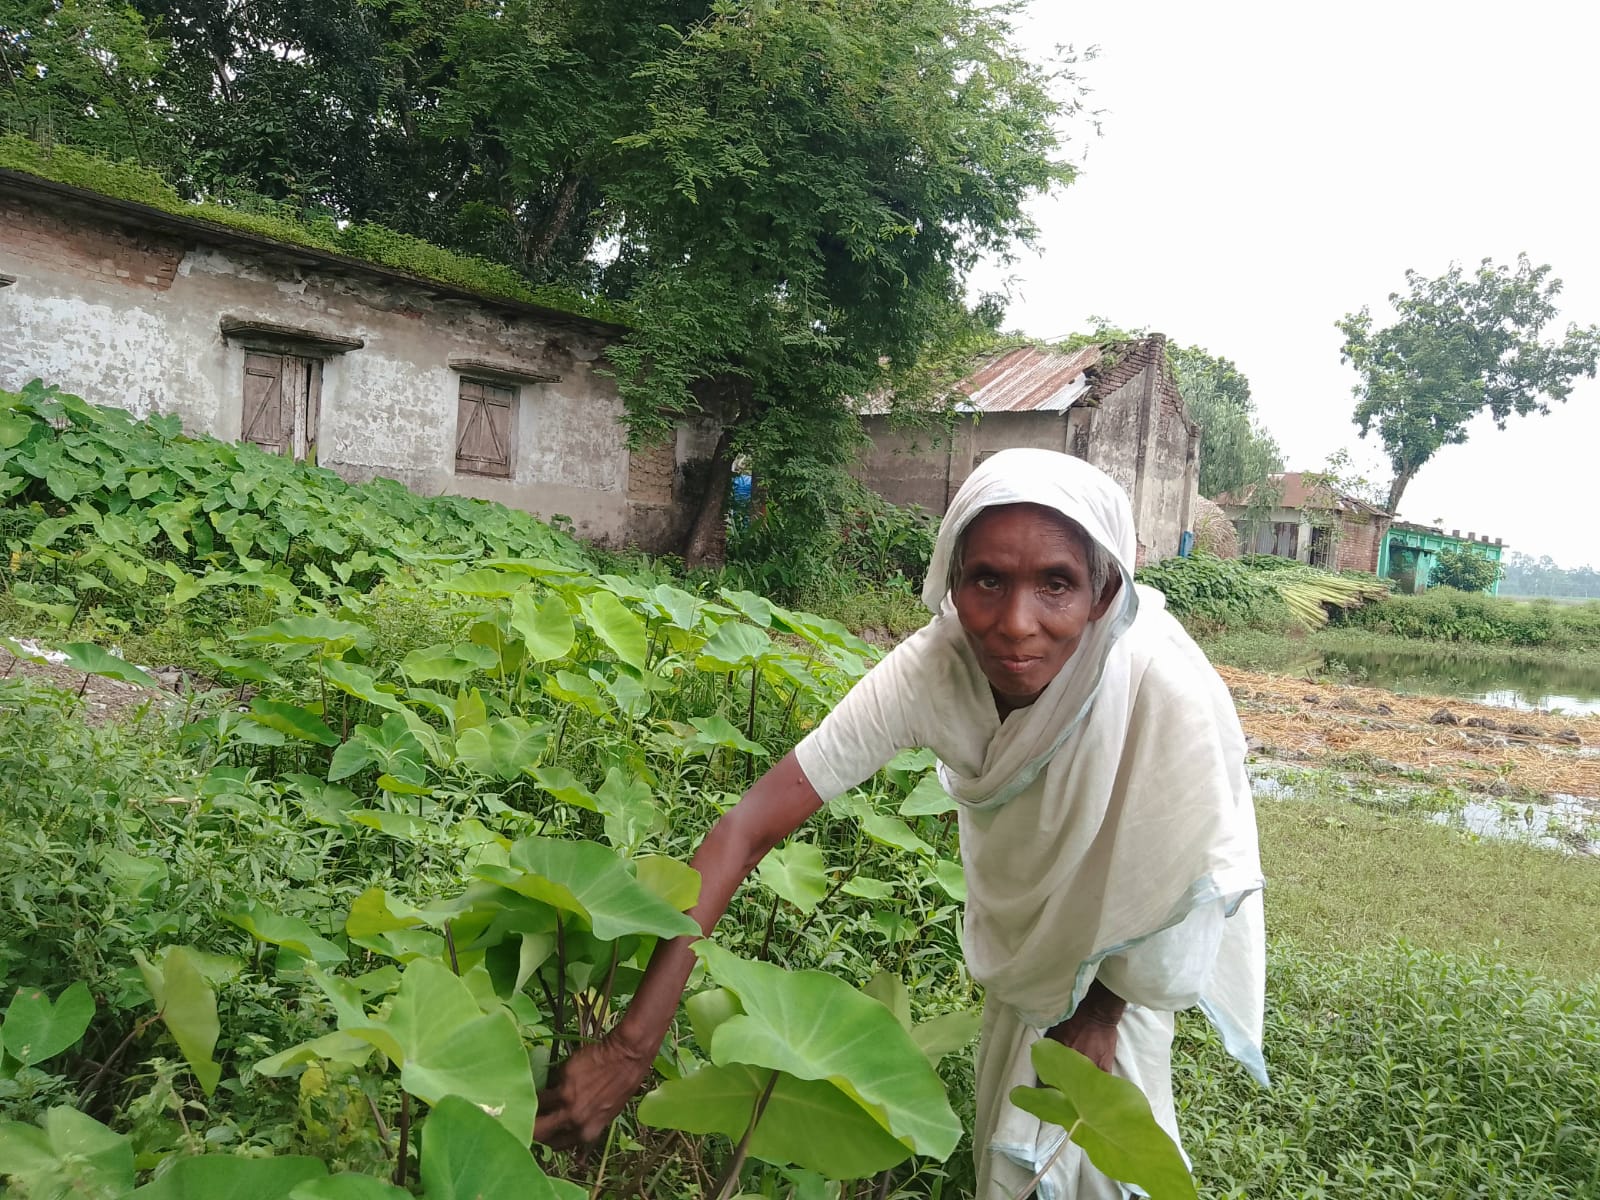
{"type": "Point", "coordinates": [1446, 615]}
{"type": "Point", "coordinates": [1460, 346]}
{"type": "Point", "coordinates": [1235, 451]}
{"type": "Point", "coordinates": [1438, 1076]}
{"type": "Point", "coordinates": [1529, 576]}
{"type": "Point", "coordinates": [1109, 1117]}
{"type": "Point", "coordinates": [1219, 592]}
{"type": "Point", "coordinates": [1464, 569]}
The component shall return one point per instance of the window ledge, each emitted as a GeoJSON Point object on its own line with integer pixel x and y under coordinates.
{"type": "Point", "coordinates": [491, 369]}
{"type": "Point", "coordinates": [295, 337]}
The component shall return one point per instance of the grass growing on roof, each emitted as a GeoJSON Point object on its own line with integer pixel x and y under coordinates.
{"type": "Point", "coordinates": [376, 244]}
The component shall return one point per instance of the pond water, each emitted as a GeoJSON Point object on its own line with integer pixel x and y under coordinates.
{"type": "Point", "coordinates": [1506, 683]}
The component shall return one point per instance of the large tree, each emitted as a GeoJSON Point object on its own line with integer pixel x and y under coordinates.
{"type": "Point", "coordinates": [1235, 450]}
{"type": "Point", "coordinates": [1460, 345]}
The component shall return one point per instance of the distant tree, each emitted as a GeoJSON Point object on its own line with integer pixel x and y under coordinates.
{"type": "Point", "coordinates": [1464, 570]}
{"type": "Point", "coordinates": [1461, 345]}
{"type": "Point", "coordinates": [1235, 451]}
{"type": "Point", "coordinates": [1528, 576]}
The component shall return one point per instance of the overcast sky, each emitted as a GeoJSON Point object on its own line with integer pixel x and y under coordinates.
{"type": "Point", "coordinates": [1265, 168]}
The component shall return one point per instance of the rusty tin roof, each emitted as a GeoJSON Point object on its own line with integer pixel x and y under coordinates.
{"type": "Point", "coordinates": [1030, 379]}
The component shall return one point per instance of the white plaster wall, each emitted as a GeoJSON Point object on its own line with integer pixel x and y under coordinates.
{"type": "Point", "coordinates": [388, 408]}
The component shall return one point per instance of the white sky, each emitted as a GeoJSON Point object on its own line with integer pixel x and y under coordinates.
{"type": "Point", "coordinates": [1265, 168]}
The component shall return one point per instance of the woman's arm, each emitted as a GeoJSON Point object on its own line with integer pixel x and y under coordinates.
{"type": "Point", "coordinates": [590, 1088]}
{"type": "Point", "coordinates": [1091, 1030]}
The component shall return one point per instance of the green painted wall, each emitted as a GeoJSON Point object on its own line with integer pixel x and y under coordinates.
{"type": "Point", "coordinates": [1408, 556]}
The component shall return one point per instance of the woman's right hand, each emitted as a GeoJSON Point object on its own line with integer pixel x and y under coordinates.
{"type": "Point", "coordinates": [586, 1092]}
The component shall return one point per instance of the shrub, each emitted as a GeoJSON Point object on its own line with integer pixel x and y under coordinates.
{"type": "Point", "coordinates": [1465, 570]}
{"type": "Point", "coordinates": [1223, 593]}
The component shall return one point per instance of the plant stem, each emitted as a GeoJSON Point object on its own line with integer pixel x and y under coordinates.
{"type": "Point", "coordinates": [403, 1161]}
{"type": "Point", "coordinates": [730, 1175]}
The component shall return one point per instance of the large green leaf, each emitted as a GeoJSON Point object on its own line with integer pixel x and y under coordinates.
{"type": "Point", "coordinates": [927, 799]}
{"type": "Point", "coordinates": [72, 1155]}
{"type": "Point", "coordinates": [466, 1155]}
{"type": "Point", "coordinates": [545, 627]}
{"type": "Point", "coordinates": [504, 748]}
{"type": "Point", "coordinates": [564, 786]}
{"type": "Point", "coordinates": [681, 608]}
{"type": "Point", "coordinates": [734, 645]}
{"type": "Point", "coordinates": [1109, 1117]}
{"type": "Point", "coordinates": [719, 731]}
{"type": "Point", "coordinates": [815, 1026]}
{"type": "Point", "coordinates": [291, 933]}
{"type": "Point", "coordinates": [947, 1033]}
{"type": "Point", "coordinates": [807, 1122]}
{"type": "Point", "coordinates": [618, 627]}
{"type": "Point", "coordinates": [796, 873]}
{"type": "Point", "coordinates": [188, 1008]}
{"type": "Point", "coordinates": [445, 1045]}
{"type": "Point", "coordinates": [631, 813]}
{"type": "Point", "coordinates": [36, 1029]}
{"type": "Point", "coordinates": [892, 831]}
{"type": "Point", "coordinates": [456, 662]}
{"type": "Point", "coordinates": [87, 657]}
{"type": "Point", "coordinates": [485, 582]}
{"type": "Point", "coordinates": [591, 882]}
{"type": "Point", "coordinates": [358, 681]}
{"type": "Point", "coordinates": [211, 1176]}
{"type": "Point", "coordinates": [292, 720]}
{"type": "Point", "coordinates": [307, 631]}
{"type": "Point", "coordinates": [346, 1186]}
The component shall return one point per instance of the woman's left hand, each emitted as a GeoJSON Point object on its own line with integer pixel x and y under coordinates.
{"type": "Point", "coordinates": [1092, 1028]}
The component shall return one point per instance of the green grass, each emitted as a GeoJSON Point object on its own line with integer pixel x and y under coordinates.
{"type": "Point", "coordinates": [1347, 878]}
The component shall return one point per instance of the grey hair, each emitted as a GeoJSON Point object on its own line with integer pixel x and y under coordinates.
{"type": "Point", "coordinates": [1100, 562]}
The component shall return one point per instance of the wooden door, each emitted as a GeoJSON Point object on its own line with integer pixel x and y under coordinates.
{"type": "Point", "coordinates": [282, 403]}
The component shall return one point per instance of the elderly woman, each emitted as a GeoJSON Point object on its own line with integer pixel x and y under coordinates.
{"type": "Point", "coordinates": [1107, 831]}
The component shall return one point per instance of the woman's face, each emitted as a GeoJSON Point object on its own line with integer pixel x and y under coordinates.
{"type": "Point", "coordinates": [1024, 598]}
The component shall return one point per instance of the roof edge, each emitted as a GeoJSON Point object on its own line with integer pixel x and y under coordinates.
{"type": "Point", "coordinates": [202, 229]}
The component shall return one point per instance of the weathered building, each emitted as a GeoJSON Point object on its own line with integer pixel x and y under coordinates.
{"type": "Point", "coordinates": [1301, 515]}
{"type": "Point", "coordinates": [366, 369]}
{"type": "Point", "coordinates": [1116, 406]}
{"type": "Point", "coordinates": [1411, 551]}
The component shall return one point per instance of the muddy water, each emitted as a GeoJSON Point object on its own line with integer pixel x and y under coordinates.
{"type": "Point", "coordinates": [1506, 683]}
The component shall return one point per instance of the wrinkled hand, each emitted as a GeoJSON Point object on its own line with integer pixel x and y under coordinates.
{"type": "Point", "coordinates": [587, 1091]}
{"type": "Point", "coordinates": [1090, 1036]}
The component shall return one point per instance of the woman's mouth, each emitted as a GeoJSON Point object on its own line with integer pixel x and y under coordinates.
{"type": "Point", "coordinates": [1014, 665]}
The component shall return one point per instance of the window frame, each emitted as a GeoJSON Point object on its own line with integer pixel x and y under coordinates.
{"type": "Point", "coordinates": [486, 399]}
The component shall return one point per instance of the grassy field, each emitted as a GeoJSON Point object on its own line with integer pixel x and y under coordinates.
{"type": "Point", "coordinates": [1348, 878]}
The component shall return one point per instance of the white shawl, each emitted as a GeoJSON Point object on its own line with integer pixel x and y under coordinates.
{"type": "Point", "coordinates": [1106, 829]}
{"type": "Point", "coordinates": [1144, 816]}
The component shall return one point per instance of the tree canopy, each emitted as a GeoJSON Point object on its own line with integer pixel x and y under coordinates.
{"type": "Point", "coordinates": [788, 196]}
{"type": "Point", "coordinates": [1235, 450]}
{"type": "Point", "coordinates": [1461, 344]}
{"type": "Point", "coordinates": [1464, 569]}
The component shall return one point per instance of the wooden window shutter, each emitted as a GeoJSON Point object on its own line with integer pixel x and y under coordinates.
{"type": "Point", "coordinates": [263, 420]}
{"type": "Point", "coordinates": [483, 428]}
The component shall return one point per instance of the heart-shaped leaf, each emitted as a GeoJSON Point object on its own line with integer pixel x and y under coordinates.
{"type": "Point", "coordinates": [1109, 1117]}
{"type": "Point", "coordinates": [618, 627]}
{"type": "Point", "coordinates": [467, 1155]}
{"type": "Point", "coordinates": [545, 627]}
{"type": "Point", "coordinates": [208, 1176]}
{"type": "Point", "coordinates": [188, 1008]}
{"type": "Point", "coordinates": [71, 1155]}
{"type": "Point", "coordinates": [89, 658]}
{"type": "Point", "coordinates": [36, 1029]}
{"type": "Point", "coordinates": [796, 872]}
{"type": "Point", "coordinates": [589, 881]}
{"type": "Point", "coordinates": [504, 748]}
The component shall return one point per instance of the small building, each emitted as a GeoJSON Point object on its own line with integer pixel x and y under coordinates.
{"type": "Point", "coordinates": [1302, 515]}
{"type": "Point", "coordinates": [1115, 405]}
{"type": "Point", "coordinates": [1410, 552]}
{"type": "Point", "coordinates": [366, 369]}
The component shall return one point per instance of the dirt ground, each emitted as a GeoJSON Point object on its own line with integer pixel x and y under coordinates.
{"type": "Point", "coordinates": [103, 699]}
{"type": "Point", "coordinates": [1470, 745]}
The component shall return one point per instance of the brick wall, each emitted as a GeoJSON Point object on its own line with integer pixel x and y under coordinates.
{"type": "Point", "coordinates": [1359, 542]}
{"type": "Point", "coordinates": [102, 252]}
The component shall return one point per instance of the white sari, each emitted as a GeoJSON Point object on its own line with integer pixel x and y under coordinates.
{"type": "Point", "coordinates": [1107, 829]}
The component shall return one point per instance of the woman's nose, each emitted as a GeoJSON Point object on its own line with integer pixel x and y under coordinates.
{"type": "Point", "coordinates": [1017, 618]}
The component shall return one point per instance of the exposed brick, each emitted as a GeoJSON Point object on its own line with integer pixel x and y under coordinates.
{"type": "Point", "coordinates": [95, 249]}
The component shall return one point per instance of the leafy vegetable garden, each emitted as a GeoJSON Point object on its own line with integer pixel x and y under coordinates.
{"type": "Point", "coordinates": [317, 926]}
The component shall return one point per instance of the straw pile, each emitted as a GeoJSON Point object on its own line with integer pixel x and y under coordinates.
{"type": "Point", "coordinates": [1482, 748]}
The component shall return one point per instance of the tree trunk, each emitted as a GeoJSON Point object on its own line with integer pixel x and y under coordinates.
{"type": "Point", "coordinates": [1398, 488]}
{"type": "Point", "coordinates": [707, 543]}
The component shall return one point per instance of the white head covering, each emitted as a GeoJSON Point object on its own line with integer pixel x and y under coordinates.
{"type": "Point", "coordinates": [1093, 500]}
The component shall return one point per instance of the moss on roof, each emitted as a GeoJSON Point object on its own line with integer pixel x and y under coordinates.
{"type": "Point", "coordinates": [375, 244]}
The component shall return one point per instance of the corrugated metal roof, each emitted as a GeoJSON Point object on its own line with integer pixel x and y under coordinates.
{"type": "Point", "coordinates": [1030, 379]}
